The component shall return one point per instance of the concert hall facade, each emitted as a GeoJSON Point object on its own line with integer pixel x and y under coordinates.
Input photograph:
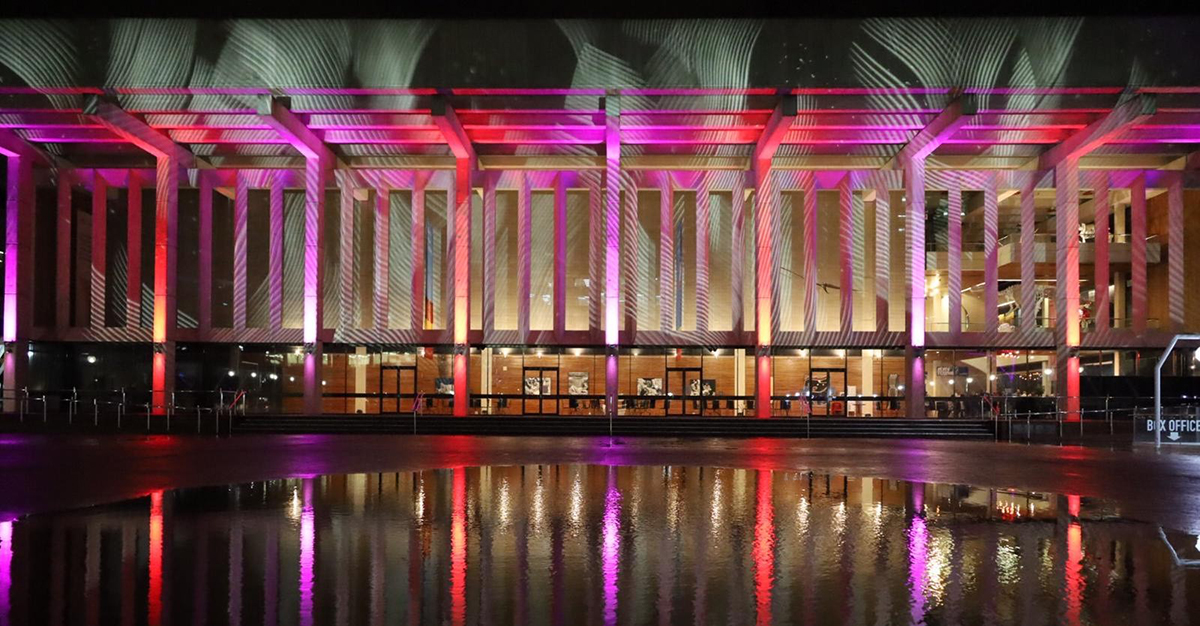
{"type": "Point", "coordinates": [574, 218]}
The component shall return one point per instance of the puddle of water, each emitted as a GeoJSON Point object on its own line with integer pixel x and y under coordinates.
{"type": "Point", "coordinates": [582, 544]}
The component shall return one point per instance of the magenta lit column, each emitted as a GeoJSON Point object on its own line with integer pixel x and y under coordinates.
{"type": "Point", "coordinates": [1066, 198]}
{"type": "Point", "coordinates": [914, 228]}
{"type": "Point", "coordinates": [316, 176]}
{"type": "Point", "coordinates": [612, 251]}
{"type": "Point", "coordinates": [166, 200]}
{"type": "Point", "coordinates": [18, 273]}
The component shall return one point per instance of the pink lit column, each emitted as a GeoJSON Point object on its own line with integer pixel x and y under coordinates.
{"type": "Point", "coordinates": [1100, 255]}
{"type": "Point", "coordinates": [18, 272]}
{"type": "Point", "coordinates": [560, 256]}
{"type": "Point", "coordinates": [1175, 277]}
{"type": "Point", "coordinates": [275, 256]}
{"type": "Point", "coordinates": [765, 210]}
{"type": "Point", "coordinates": [204, 255]}
{"type": "Point", "coordinates": [462, 284]}
{"type": "Point", "coordinates": [62, 286]}
{"type": "Point", "coordinates": [99, 250]}
{"type": "Point", "coordinates": [914, 305]}
{"type": "Point", "coordinates": [612, 250]}
{"type": "Point", "coordinates": [991, 265]}
{"type": "Point", "coordinates": [1137, 256]}
{"type": "Point", "coordinates": [954, 259]}
{"type": "Point", "coordinates": [166, 210]}
{"type": "Point", "coordinates": [316, 177]}
{"type": "Point", "coordinates": [883, 257]}
{"type": "Point", "coordinates": [1066, 197]}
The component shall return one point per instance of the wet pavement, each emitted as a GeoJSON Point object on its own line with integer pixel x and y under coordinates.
{"type": "Point", "coordinates": [54, 472]}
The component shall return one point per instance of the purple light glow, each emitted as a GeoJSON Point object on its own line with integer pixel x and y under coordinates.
{"type": "Point", "coordinates": [6, 556]}
{"type": "Point", "coordinates": [307, 533]}
{"type": "Point", "coordinates": [611, 550]}
{"type": "Point", "coordinates": [918, 564]}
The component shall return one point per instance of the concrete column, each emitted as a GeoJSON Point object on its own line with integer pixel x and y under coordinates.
{"type": "Point", "coordinates": [666, 255]}
{"type": "Point", "coordinates": [560, 256]}
{"type": "Point", "coordinates": [954, 259]}
{"type": "Point", "coordinates": [275, 258]}
{"type": "Point", "coordinates": [418, 254]}
{"type": "Point", "coordinates": [62, 286]}
{"type": "Point", "coordinates": [348, 314]}
{"type": "Point", "coordinates": [489, 258]}
{"type": "Point", "coordinates": [991, 215]}
{"type": "Point", "coordinates": [868, 383]}
{"type": "Point", "coordinates": [883, 257]}
{"type": "Point", "coordinates": [1137, 256]}
{"type": "Point", "coordinates": [462, 284]}
{"type": "Point", "coordinates": [383, 214]}
{"type": "Point", "coordinates": [737, 252]}
{"type": "Point", "coordinates": [316, 176]}
{"type": "Point", "coordinates": [524, 235]}
{"type": "Point", "coordinates": [99, 251]}
{"type": "Point", "coordinates": [166, 239]}
{"type": "Point", "coordinates": [204, 255]}
{"type": "Point", "coordinates": [133, 253]}
{"type": "Point", "coordinates": [914, 302]}
{"type": "Point", "coordinates": [18, 274]}
{"type": "Point", "coordinates": [702, 225]}
{"type": "Point", "coordinates": [766, 208]}
{"type": "Point", "coordinates": [1100, 256]}
{"type": "Point", "coordinates": [1066, 327]}
{"type": "Point", "coordinates": [612, 251]}
{"type": "Point", "coordinates": [1028, 286]}
{"type": "Point", "coordinates": [241, 212]}
{"type": "Point", "coordinates": [846, 230]}
{"type": "Point", "coordinates": [810, 258]}
{"type": "Point", "coordinates": [1175, 252]}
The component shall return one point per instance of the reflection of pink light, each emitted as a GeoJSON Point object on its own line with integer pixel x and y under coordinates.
{"type": "Point", "coordinates": [6, 555]}
{"type": "Point", "coordinates": [156, 557]}
{"type": "Point", "coordinates": [764, 548]}
{"type": "Point", "coordinates": [918, 562]}
{"type": "Point", "coordinates": [1075, 581]}
{"type": "Point", "coordinates": [611, 550]}
{"type": "Point", "coordinates": [306, 557]}
{"type": "Point", "coordinates": [458, 549]}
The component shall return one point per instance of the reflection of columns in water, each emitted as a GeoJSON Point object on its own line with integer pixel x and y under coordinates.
{"type": "Point", "coordinates": [611, 547]}
{"type": "Point", "coordinates": [236, 535]}
{"type": "Point", "coordinates": [155, 591]}
{"type": "Point", "coordinates": [92, 572]}
{"type": "Point", "coordinates": [378, 561]}
{"type": "Point", "coordinates": [458, 548]}
{"type": "Point", "coordinates": [128, 573]}
{"type": "Point", "coordinates": [6, 557]}
{"type": "Point", "coordinates": [764, 547]}
{"type": "Point", "coordinates": [918, 552]}
{"type": "Point", "coordinates": [307, 540]}
{"type": "Point", "coordinates": [1074, 573]}
{"type": "Point", "coordinates": [271, 575]}
{"type": "Point", "coordinates": [200, 587]}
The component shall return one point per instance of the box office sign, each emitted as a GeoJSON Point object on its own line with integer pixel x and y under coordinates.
{"type": "Point", "coordinates": [1182, 429]}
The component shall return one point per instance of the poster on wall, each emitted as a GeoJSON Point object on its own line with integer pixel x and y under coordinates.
{"type": "Point", "coordinates": [535, 386]}
{"type": "Point", "coordinates": [702, 387]}
{"type": "Point", "coordinates": [444, 385]}
{"type": "Point", "coordinates": [649, 387]}
{"type": "Point", "coordinates": [577, 383]}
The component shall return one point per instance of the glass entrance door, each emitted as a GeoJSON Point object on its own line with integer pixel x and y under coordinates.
{"type": "Point", "coordinates": [540, 391]}
{"type": "Point", "coordinates": [826, 390]}
{"type": "Point", "coordinates": [397, 388]}
{"type": "Point", "coordinates": [684, 391]}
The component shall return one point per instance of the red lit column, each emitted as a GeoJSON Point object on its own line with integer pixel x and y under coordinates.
{"type": "Point", "coordinates": [99, 249]}
{"type": "Point", "coordinates": [166, 211]}
{"type": "Point", "coordinates": [62, 287]}
{"type": "Point", "coordinates": [18, 272]}
{"type": "Point", "coordinates": [914, 302]}
{"type": "Point", "coordinates": [1066, 327]}
{"type": "Point", "coordinates": [1100, 255]}
{"type": "Point", "coordinates": [1137, 256]}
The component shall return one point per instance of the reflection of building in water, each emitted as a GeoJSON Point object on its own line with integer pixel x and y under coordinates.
{"type": "Point", "coordinates": [534, 541]}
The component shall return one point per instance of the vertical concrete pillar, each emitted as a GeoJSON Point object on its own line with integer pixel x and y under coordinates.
{"type": "Point", "coordinates": [1066, 327]}
{"type": "Point", "coordinates": [883, 256]}
{"type": "Point", "coordinates": [737, 252]}
{"type": "Point", "coordinates": [241, 212]}
{"type": "Point", "coordinates": [166, 200]}
{"type": "Point", "coordinates": [383, 215]}
{"type": "Point", "coordinates": [1137, 256]}
{"type": "Point", "coordinates": [914, 301]}
{"type": "Point", "coordinates": [62, 286]}
{"type": "Point", "coordinates": [702, 225]}
{"type": "Point", "coordinates": [489, 257]}
{"type": "Point", "coordinates": [810, 257]}
{"type": "Point", "coordinates": [99, 250]}
{"type": "Point", "coordinates": [204, 255]}
{"type": "Point", "coordinates": [560, 256]}
{"type": "Point", "coordinates": [275, 255]}
{"type": "Point", "coordinates": [1100, 256]}
{"type": "Point", "coordinates": [991, 265]}
{"type": "Point", "coordinates": [666, 255]}
{"type": "Point", "coordinates": [1175, 252]}
{"type": "Point", "coordinates": [316, 177]}
{"type": "Point", "coordinates": [1028, 286]}
{"type": "Point", "coordinates": [18, 274]}
{"type": "Point", "coordinates": [418, 254]}
{"type": "Point", "coordinates": [612, 250]}
{"type": "Point", "coordinates": [846, 230]}
{"type": "Point", "coordinates": [766, 210]}
{"type": "Point", "coordinates": [524, 236]}
{"type": "Point", "coordinates": [462, 283]}
{"type": "Point", "coordinates": [954, 259]}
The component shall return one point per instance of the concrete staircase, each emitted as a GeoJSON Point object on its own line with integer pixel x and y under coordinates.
{"type": "Point", "coordinates": [883, 428]}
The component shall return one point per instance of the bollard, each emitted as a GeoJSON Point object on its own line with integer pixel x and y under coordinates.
{"type": "Point", "coordinates": [96, 412]}
{"type": "Point", "coordinates": [147, 417]}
